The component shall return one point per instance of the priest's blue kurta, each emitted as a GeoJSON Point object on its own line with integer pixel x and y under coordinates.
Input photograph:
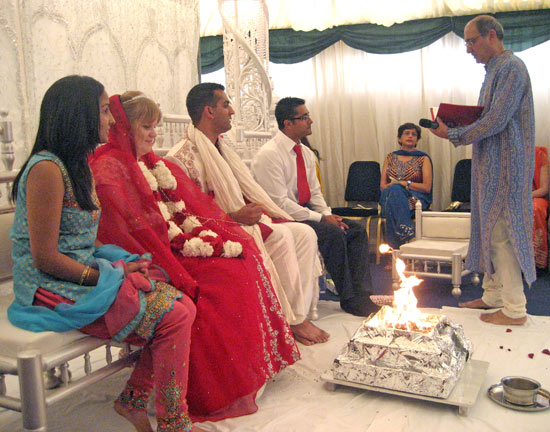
{"type": "Point", "coordinates": [503, 160]}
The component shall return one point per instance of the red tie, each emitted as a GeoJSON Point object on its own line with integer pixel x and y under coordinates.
{"type": "Point", "coordinates": [304, 194]}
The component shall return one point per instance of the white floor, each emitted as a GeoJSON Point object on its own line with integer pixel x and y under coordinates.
{"type": "Point", "coordinates": [297, 400]}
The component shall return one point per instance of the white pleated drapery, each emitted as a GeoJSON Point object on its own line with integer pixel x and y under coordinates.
{"type": "Point", "coordinates": [357, 101]}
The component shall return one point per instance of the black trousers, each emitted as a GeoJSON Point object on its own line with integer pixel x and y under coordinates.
{"type": "Point", "coordinates": [346, 257]}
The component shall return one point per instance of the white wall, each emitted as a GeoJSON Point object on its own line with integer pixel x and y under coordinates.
{"type": "Point", "coordinates": [149, 45]}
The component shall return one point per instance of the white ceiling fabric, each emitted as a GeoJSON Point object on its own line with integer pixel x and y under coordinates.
{"type": "Point", "coordinates": [307, 15]}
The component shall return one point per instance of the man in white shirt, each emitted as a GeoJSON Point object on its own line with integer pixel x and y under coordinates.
{"type": "Point", "coordinates": [289, 249]}
{"type": "Point", "coordinates": [294, 187]}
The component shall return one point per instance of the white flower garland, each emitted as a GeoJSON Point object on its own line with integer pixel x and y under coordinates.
{"type": "Point", "coordinates": [190, 237]}
{"type": "Point", "coordinates": [153, 184]}
{"type": "Point", "coordinates": [166, 214]}
{"type": "Point", "coordinates": [190, 223]}
{"type": "Point", "coordinates": [232, 249]}
{"type": "Point", "coordinates": [197, 247]}
{"type": "Point", "coordinates": [164, 177]}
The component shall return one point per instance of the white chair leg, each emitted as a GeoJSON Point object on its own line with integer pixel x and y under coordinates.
{"type": "Point", "coordinates": [313, 311]}
{"type": "Point", "coordinates": [65, 374]}
{"type": "Point", "coordinates": [51, 380]}
{"type": "Point", "coordinates": [3, 388]}
{"type": "Point", "coordinates": [456, 275]}
{"type": "Point", "coordinates": [31, 386]}
{"type": "Point", "coordinates": [457, 292]}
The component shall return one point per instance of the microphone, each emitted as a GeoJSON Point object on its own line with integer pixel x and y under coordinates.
{"type": "Point", "coordinates": [428, 123]}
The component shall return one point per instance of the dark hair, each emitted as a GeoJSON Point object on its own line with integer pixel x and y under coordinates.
{"type": "Point", "coordinates": [286, 110]}
{"type": "Point", "coordinates": [486, 23]}
{"type": "Point", "coordinates": [306, 142]}
{"type": "Point", "coordinates": [200, 96]}
{"type": "Point", "coordinates": [69, 128]}
{"type": "Point", "coordinates": [407, 126]}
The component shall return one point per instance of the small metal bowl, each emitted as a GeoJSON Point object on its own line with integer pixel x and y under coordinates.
{"type": "Point", "coordinates": [520, 390]}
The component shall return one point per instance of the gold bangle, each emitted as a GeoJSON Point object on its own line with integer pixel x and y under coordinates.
{"type": "Point", "coordinates": [87, 275]}
{"type": "Point", "coordinates": [84, 275]}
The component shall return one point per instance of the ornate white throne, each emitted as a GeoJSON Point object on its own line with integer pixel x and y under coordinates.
{"type": "Point", "coordinates": [442, 240]}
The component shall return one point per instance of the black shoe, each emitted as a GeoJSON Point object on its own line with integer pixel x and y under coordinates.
{"type": "Point", "coordinates": [359, 306]}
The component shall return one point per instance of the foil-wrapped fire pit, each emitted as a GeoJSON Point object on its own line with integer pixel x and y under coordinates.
{"type": "Point", "coordinates": [424, 355]}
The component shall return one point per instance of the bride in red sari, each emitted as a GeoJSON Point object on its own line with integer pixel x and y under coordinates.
{"type": "Point", "coordinates": [240, 338]}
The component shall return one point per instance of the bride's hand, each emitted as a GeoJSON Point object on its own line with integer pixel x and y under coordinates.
{"type": "Point", "coordinates": [142, 267]}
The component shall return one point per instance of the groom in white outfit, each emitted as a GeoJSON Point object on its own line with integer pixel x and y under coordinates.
{"type": "Point", "coordinates": [289, 248]}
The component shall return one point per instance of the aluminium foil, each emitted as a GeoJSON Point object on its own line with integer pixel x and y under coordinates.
{"type": "Point", "coordinates": [427, 362]}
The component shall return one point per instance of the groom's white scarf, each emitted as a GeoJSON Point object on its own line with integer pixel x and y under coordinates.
{"type": "Point", "coordinates": [230, 179]}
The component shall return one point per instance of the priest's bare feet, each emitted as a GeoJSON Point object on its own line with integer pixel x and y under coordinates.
{"type": "Point", "coordinates": [382, 300]}
{"type": "Point", "coordinates": [476, 304]}
{"type": "Point", "coordinates": [137, 417]}
{"type": "Point", "coordinates": [308, 333]}
{"type": "Point", "coordinates": [499, 318]}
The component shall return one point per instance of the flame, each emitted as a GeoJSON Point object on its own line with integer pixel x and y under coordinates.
{"type": "Point", "coordinates": [404, 299]}
{"type": "Point", "coordinates": [384, 248]}
{"type": "Point", "coordinates": [404, 314]}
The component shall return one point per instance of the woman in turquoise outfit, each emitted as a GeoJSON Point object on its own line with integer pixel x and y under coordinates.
{"type": "Point", "coordinates": [64, 279]}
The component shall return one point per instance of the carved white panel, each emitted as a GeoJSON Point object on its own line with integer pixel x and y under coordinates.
{"type": "Point", "coordinates": [148, 45]}
{"type": "Point", "coordinates": [154, 62]}
{"type": "Point", "coordinates": [51, 57]}
{"type": "Point", "coordinates": [111, 73]}
{"type": "Point", "coordinates": [10, 94]}
{"type": "Point", "coordinates": [184, 72]}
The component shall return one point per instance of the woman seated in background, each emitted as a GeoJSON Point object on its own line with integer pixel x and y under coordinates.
{"type": "Point", "coordinates": [406, 177]}
{"type": "Point", "coordinates": [63, 280]}
{"type": "Point", "coordinates": [240, 339]}
{"type": "Point", "coordinates": [540, 207]}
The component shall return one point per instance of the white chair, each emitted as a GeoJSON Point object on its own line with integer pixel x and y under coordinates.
{"type": "Point", "coordinates": [30, 356]}
{"type": "Point", "coordinates": [442, 239]}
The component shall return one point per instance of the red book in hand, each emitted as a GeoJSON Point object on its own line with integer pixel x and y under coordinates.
{"type": "Point", "coordinates": [457, 115]}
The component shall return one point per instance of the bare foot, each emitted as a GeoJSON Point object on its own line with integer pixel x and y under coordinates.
{"type": "Point", "coordinates": [499, 318]}
{"type": "Point", "coordinates": [137, 417]}
{"type": "Point", "coordinates": [197, 429]}
{"type": "Point", "coordinates": [308, 333]}
{"type": "Point", "coordinates": [382, 300]}
{"type": "Point", "coordinates": [476, 304]}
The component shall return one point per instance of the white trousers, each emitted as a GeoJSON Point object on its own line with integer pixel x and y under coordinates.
{"type": "Point", "coordinates": [293, 249]}
{"type": "Point", "coordinates": [504, 288]}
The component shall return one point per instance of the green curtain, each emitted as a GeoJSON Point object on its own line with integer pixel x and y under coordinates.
{"type": "Point", "coordinates": [523, 29]}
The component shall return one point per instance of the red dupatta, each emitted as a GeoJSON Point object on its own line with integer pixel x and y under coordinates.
{"type": "Point", "coordinates": [131, 217]}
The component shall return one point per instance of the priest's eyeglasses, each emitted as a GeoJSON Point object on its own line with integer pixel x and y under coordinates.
{"type": "Point", "coordinates": [470, 42]}
{"type": "Point", "coordinates": [304, 117]}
